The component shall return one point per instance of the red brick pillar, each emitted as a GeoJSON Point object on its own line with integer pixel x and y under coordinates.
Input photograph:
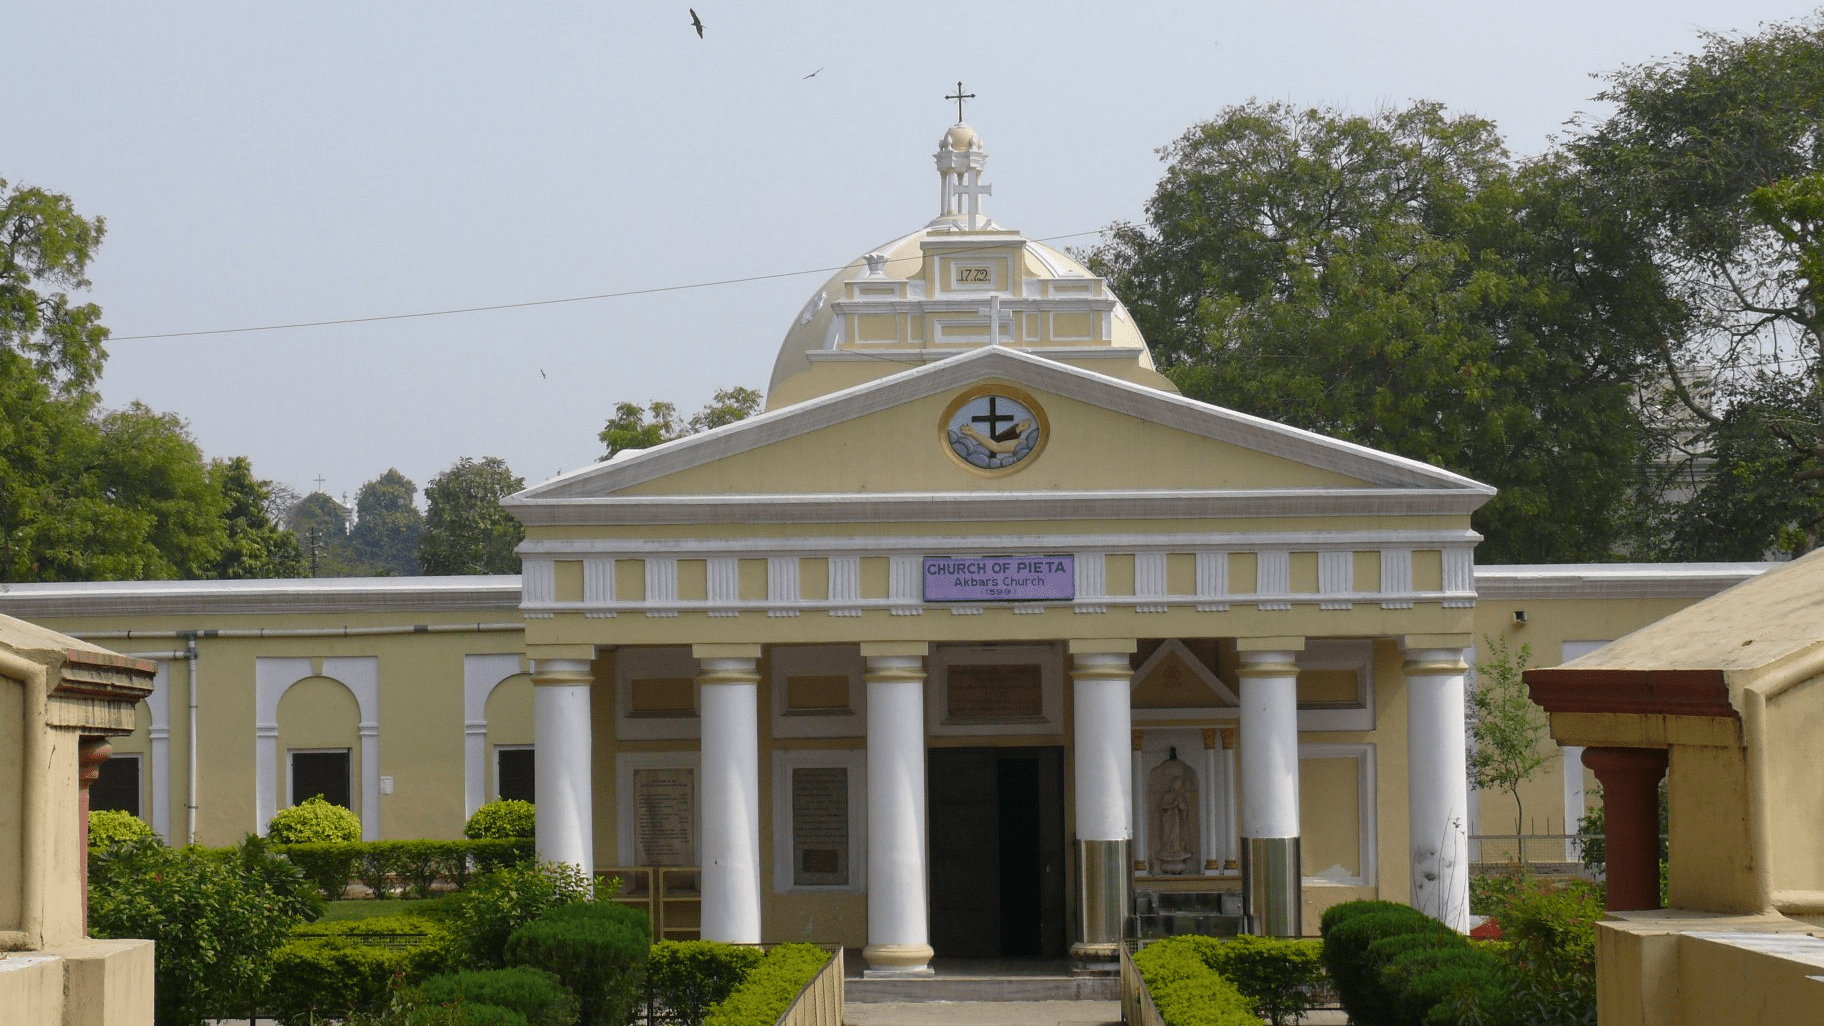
{"type": "Point", "coordinates": [90, 754]}
{"type": "Point", "coordinates": [1630, 818]}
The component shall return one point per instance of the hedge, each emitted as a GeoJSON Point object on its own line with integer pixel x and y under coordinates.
{"type": "Point", "coordinates": [108, 827]}
{"type": "Point", "coordinates": [687, 978]}
{"type": "Point", "coordinates": [533, 993]}
{"type": "Point", "coordinates": [415, 864]}
{"type": "Point", "coordinates": [1278, 976]}
{"type": "Point", "coordinates": [313, 820]}
{"type": "Point", "coordinates": [770, 988]}
{"type": "Point", "coordinates": [1185, 990]}
{"type": "Point", "coordinates": [1395, 966]}
{"type": "Point", "coordinates": [503, 818]}
{"type": "Point", "coordinates": [598, 950]}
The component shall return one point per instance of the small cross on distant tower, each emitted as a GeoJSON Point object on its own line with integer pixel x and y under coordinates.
{"type": "Point", "coordinates": [959, 96]}
{"type": "Point", "coordinates": [319, 482]}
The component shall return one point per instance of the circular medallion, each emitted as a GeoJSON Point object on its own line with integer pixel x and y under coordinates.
{"type": "Point", "coordinates": [993, 429]}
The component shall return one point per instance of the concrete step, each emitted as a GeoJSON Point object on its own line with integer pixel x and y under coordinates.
{"type": "Point", "coordinates": [944, 987]}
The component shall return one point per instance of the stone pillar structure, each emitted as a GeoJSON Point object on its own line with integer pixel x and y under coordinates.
{"type": "Point", "coordinates": [899, 939]}
{"type": "Point", "coordinates": [563, 761]}
{"type": "Point", "coordinates": [91, 752]}
{"type": "Point", "coordinates": [1137, 827]}
{"type": "Point", "coordinates": [1630, 822]}
{"type": "Point", "coordinates": [1102, 675]}
{"type": "Point", "coordinates": [1437, 784]}
{"type": "Point", "coordinates": [1271, 887]}
{"type": "Point", "coordinates": [728, 703]}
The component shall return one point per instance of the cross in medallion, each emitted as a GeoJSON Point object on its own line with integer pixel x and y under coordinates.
{"type": "Point", "coordinates": [993, 417]}
{"type": "Point", "coordinates": [959, 96]}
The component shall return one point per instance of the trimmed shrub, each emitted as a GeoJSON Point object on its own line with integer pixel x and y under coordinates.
{"type": "Point", "coordinates": [598, 950]}
{"type": "Point", "coordinates": [1414, 979]}
{"type": "Point", "coordinates": [770, 988]}
{"type": "Point", "coordinates": [687, 977]}
{"type": "Point", "coordinates": [326, 977]}
{"type": "Point", "coordinates": [328, 864]}
{"type": "Point", "coordinates": [502, 901]}
{"type": "Point", "coordinates": [1278, 976]}
{"type": "Point", "coordinates": [533, 993]}
{"type": "Point", "coordinates": [109, 827]}
{"type": "Point", "coordinates": [1346, 941]}
{"type": "Point", "coordinates": [503, 819]}
{"type": "Point", "coordinates": [313, 820]}
{"type": "Point", "coordinates": [375, 866]}
{"type": "Point", "coordinates": [1185, 989]}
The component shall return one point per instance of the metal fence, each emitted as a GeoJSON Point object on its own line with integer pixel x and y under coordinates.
{"type": "Point", "coordinates": [1562, 852]}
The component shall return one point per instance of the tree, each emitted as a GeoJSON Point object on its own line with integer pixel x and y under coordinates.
{"type": "Point", "coordinates": [629, 428]}
{"type": "Point", "coordinates": [1716, 155]}
{"type": "Point", "coordinates": [1506, 729]}
{"type": "Point", "coordinates": [45, 248]}
{"type": "Point", "coordinates": [255, 547]}
{"type": "Point", "coordinates": [1397, 280]}
{"type": "Point", "coordinates": [384, 540]}
{"type": "Point", "coordinates": [466, 530]}
{"type": "Point", "coordinates": [321, 526]}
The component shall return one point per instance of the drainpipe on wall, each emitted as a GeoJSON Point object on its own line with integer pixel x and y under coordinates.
{"type": "Point", "coordinates": [190, 795]}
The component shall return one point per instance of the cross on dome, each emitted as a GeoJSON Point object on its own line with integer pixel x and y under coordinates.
{"type": "Point", "coordinates": [959, 96]}
{"type": "Point", "coordinates": [960, 159]}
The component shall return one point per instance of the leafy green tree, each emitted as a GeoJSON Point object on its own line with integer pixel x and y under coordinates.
{"type": "Point", "coordinates": [45, 248]}
{"type": "Point", "coordinates": [321, 526]}
{"type": "Point", "coordinates": [466, 531]}
{"type": "Point", "coordinates": [384, 540]}
{"type": "Point", "coordinates": [1507, 730]}
{"type": "Point", "coordinates": [1716, 156]}
{"type": "Point", "coordinates": [1397, 280]}
{"type": "Point", "coordinates": [630, 427]}
{"type": "Point", "coordinates": [256, 547]}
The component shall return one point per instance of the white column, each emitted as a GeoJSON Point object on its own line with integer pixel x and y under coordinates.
{"type": "Point", "coordinates": [1231, 828]}
{"type": "Point", "coordinates": [1271, 885]}
{"type": "Point", "coordinates": [563, 758]}
{"type": "Point", "coordinates": [1213, 782]}
{"type": "Point", "coordinates": [370, 780]}
{"type": "Point", "coordinates": [899, 940]}
{"type": "Point", "coordinates": [1573, 801]}
{"type": "Point", "coordinates": [1102, 675]}
{"type": "Point", "coordinates": [1436, 784]}
{"type": "Point", "coordinates": [728, 702]}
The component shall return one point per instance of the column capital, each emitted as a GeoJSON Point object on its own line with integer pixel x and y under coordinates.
{"type": "Point", "coordinates": [1435, 662]}
{"type": "Point", "coordinates": [1280, 643]}
{"type": "Point", "coordinates": [1268, 663]}
{"type": "Point", "coordinates": [870, 649]}
{"type": "Point", "coordinates": [1103, 646]}
{"type": "Point", "coordinates": [562, 673]}
{"type": "Point", "coordinates": [725, 651]}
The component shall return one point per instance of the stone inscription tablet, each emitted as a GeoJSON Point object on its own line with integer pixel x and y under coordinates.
{"type": "Point", "coordinates": [995, 691]}
{"type": "Point", "coordinates": [820, 826]}
{"type": "Point", "coordinates": [665, 803]}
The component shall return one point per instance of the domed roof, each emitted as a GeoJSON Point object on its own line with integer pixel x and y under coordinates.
{"type": "Point", "coordinates": [960, 137]}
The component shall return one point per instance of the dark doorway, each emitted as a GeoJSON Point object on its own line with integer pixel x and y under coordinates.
{"type": "Point", "coordinates": [118, 786]}
{"type": "Point", "coordinates": [515, 774]}
{"type": "Point", "coordinates": [320, 773]}
{"type": "Point", "coordinates": [997, 852]}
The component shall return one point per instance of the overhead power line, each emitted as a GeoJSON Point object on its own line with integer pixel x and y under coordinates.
{"type": "Point", "coordinates": [513, 306]}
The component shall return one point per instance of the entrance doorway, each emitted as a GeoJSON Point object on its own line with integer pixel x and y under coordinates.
{"type": "Point", "coordinates": [997, 852]}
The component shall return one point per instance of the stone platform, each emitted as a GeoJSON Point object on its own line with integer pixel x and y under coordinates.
{"type": "Point", "coordinates": [983, 980]}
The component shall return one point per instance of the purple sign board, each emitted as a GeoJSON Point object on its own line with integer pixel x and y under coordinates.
{"type": "Point", "coordinates": [1000, 578]}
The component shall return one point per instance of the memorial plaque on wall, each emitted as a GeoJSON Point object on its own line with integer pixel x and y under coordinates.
{"type": "Point", "coordinates": [820, 826]}
{"type": "Point", "coordinates": [985, 692]}
{"type": "Point", "coordinates": [664, 809]}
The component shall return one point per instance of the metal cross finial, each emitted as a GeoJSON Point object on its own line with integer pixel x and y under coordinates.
{"type": "Point", "coordinates": [959, 97]}
{"type": "Point", "coordinates": [319, 482]}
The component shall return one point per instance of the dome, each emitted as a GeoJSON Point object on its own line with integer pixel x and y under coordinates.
{"type": "Point", "coordinates": [960, 137]}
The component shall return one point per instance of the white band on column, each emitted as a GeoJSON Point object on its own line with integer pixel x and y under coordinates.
{"type": "Point", "coordinates": [563, 757]}
{"type": "Point", "coordinates": [728, 702]}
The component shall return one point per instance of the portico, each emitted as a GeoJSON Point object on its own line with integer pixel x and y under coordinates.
{"type": "Point", "coordinates": [974, 519]}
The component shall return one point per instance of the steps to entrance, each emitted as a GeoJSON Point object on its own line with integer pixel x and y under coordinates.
{"type": "Point", "coordinates": [986, 980]}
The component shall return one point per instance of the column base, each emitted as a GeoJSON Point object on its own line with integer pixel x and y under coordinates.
{"type": "Point", "coordinates": [896, 961]}
{"type": "Point", "coordinates": [1095, 958]}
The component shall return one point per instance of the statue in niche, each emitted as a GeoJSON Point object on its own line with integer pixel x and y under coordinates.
{"type": "Point", "coordinates": [1174, 824]}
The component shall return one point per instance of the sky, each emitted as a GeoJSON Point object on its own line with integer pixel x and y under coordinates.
{"type": "Point", "coordinates": [275, 164]}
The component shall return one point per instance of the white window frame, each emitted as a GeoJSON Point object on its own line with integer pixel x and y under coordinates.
{"type": "Point", "coordinates": [1341, 654]}
{"type": "Point", "coordinates": [1367, 808]}
{"type": "Point", "coordinates": [624, 827]}
{"type": "Point", "coordinates": [855, 760]}
{"type": "Point", "coordinates": [495, 780]}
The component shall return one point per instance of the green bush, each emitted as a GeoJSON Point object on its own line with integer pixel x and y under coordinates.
{"type": "Point", "coordinates": [217, 926]}
{"type": "Point", "coordinates": [502, 901]}
{"type": "Point", "coordinates": [313, 820]}
{"type": "Point", "coordinates": [687, 977]}
{"type": "Point", "coordinates": [338, 968]}
{"type": "Point", "coordinates": [108, 827]}
{"type": "Point", "coordinates": [506, 818]}
{"type": "Point", "coordinates": [328, 864]}
{"type": "Point", "coordinates": [533, 993]}
{"type": "Point", "coordinates": [598, 950]}
{"type": "Point", "coordinates": [770, 988]}
{"type": "Point", "coordinates": [1551, 947]}
{"type": "Point", "coordinates": [377, 863]}
{"type": "Point", "coordinates": [1278, 976]}
{"type": "Point", "coordinates": [1185, 989]}
{"type": "Point", "coordinates": [1347, 938]}
{"type": "Point", "coordinates": [1417, 980]}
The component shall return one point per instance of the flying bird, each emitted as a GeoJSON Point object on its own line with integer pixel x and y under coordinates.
{"type": "Point", "coordinates": [541, 373]}
{"type": "Point", "coordinates": [696, 22]}
{"type": "Point", "coordinates": [814, 74]}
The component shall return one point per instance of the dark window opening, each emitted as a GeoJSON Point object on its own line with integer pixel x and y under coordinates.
{"type": "Point", "coordinates": [514, 774]}
{"type": "Point", "coordinates": [117, 787]}
{"type": "Point", "coordinates": [320, 773]}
